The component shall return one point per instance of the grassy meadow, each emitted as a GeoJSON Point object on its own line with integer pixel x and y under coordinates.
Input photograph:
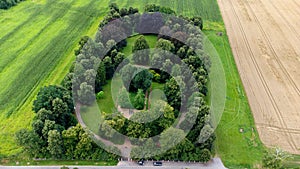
{"type": "Point", "coordinates": [37, 40]}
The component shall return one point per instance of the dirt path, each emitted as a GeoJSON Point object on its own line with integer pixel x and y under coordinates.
{"type": "Point", "coordinates": [265, 37]}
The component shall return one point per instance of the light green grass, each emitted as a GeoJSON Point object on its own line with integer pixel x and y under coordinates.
{"type": "Point", "coordinates": [237, 150]}
{"type": "Point", "coordinates": [37, 42]}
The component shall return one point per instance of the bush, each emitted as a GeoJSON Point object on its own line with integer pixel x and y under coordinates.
{"type": "Point", "coordinates": [100, 95]}
{"type": "Point", "coordinates": [64, 167]}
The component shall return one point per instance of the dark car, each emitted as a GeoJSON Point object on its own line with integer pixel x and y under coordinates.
{"type": "Point", "coordinates": [141, 162]}
{"type": "Point", "coordinates": [157, 163]}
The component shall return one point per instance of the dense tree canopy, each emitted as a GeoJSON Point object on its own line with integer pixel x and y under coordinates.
{"type": "Point", "coordinates": [5, 4]}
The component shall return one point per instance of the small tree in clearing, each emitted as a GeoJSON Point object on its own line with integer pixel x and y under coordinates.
{"type": "Point", "coordinates": [139, 100]}
{"type": "Point", "coordinates": [140, 51]}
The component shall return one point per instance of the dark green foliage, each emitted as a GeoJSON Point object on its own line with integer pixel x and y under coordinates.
{"type": "Point", "coordinates": [205, 155]}
{"type": "Point", "coordinates": [109, 68]}
{"type": "Point", "coordinates": [30, 141]}
{"type": "Point", "coordinates": [157, 8]}
{"type": "Point", "coordinates": [134, 79]}
{"type": "Point", "coordinates": [47, 94]}
{"type": "Point", "coordinates": [81, 43]}
{"type": "Point", "coordinates": [55, 144]}
{"type": "Point", "coordinates": [173, 93]}
{"type": "Point", "coordinates": [68, 81]}
{"type": "Point", "coordinates": [142, 80]}
{"type": "Point", "coordinates": [100, 77]}
{"type": "Point", "coordinates": [197, 21]}
{"type": "Point", "coordinates": [139, 100]}
{"type": "Point", "coordinates": [5, 4]}
{"type": "Point", "coordinates": [141, 51]}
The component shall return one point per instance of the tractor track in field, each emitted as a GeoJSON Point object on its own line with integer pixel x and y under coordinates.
{"type": "Point", "coordinates": [283, 123]}
{"type": "Point", "coordinates": [257, 58]}
{"type": "Point", "coordinates": [291, 81]}
{"type": "Point", "coordinates": [258, 70]}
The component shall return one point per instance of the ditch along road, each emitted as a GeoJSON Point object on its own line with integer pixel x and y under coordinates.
{"type": "Point", "coordinates": [265, 39]}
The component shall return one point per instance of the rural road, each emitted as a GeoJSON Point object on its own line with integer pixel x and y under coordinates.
{"type": "Point", "coordinates": [216, 163]}
{"type": "Point", "coordinates": [264, 36]}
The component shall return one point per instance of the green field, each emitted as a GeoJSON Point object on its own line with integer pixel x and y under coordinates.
{"type": "Point", "coordinates": [39, 37]}
{"type": "Point", "coordinates": [236, 149]}
{"type": "Point", "coordinates": [37, 42]}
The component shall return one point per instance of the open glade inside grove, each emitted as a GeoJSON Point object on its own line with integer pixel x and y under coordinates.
{"type": "Point", "coordinates": [144, 76]}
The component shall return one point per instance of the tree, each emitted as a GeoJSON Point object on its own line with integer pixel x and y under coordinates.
{"type": "Point", "coordinates": [274, 158]}
{"type": "Point", "coordinates": [139, 100]}
{"type": "Point", "coordinates": [55, 144]}
{"type": "Point", "coordinates": [173, 92]}
{"type": "Point", "coordinates": [118, 59]}
{"type": "Point", "coordinates": [70, 140]}
{"type": "Point", "coordinates": [165, 45]}
{"type": "Point", "coordinates": [30, 141]}
{"type": "Point", "coordinates": [142, 80]}
{"type": "Point", "coordinates": [197, 21]}
{"type": "Point", "coordinates": [123, 99]}
{"type": "Point", "coordinates": [84, 147]}
{"type": "Point", "coordinates": [205, 155]}
{"type": "Point", "coordinates": [206, 132]}
{"type": "Point", "coordinates": [109, 68]}
{"type": "Point", "coordinates": [123, 12]}
{"type": "Point", "coordinates": [138, 130]}
{"type": "Point", "coordinates": [86, 94]}
{"type": "Point", "coordinates": [47, 94]}
{"type": "Point", "coordinates": [141, 51]}
{"type": "Point", "coordinates": [168, 115]}
{"type": "Point", "coordinates": [171, 137]}
{"type": "Point", "coordinates": [68, 81]}
{"type": "Point", "coordinates": [100, 77]}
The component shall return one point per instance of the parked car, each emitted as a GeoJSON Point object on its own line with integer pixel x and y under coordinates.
{"type": "Point", "coordinates": [157, 163]}
{"type": "Point", "coordinates": [141, 162]}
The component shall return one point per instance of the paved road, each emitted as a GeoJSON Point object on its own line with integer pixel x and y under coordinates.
{"type": "Point", "coordinates": [216, 163]}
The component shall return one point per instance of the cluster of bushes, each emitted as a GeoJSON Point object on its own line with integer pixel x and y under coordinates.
{"type": "Point", "coordinates": [157, 8]}
{"type": "Point", "coordinates": [5, 4]}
